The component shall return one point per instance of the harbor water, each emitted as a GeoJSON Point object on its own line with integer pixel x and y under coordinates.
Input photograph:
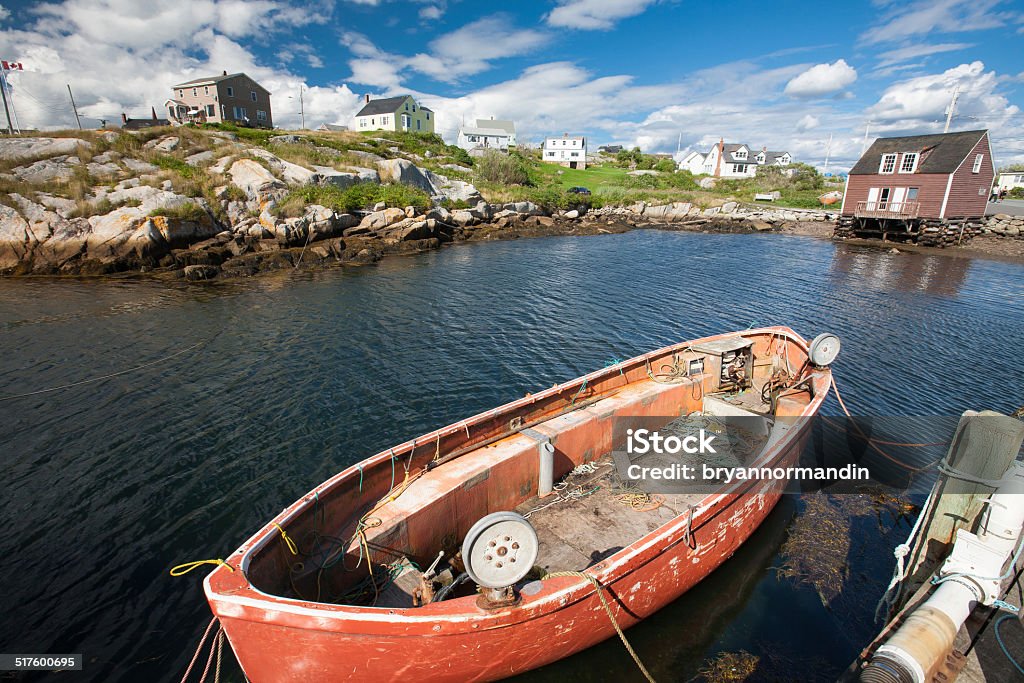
{"type": "Point", "coordinates": [220, 405]}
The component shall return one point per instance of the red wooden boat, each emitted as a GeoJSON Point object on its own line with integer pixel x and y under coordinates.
{"type": "Point", "coordinates": [298, 600]}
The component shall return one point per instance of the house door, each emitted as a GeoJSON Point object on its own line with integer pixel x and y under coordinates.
{"type": "Point", "coordinates": [883, 198]}
{"type": "Point", "coordinates": [872, 198]}
{"type": "Point", "coordinates": [898, 195]}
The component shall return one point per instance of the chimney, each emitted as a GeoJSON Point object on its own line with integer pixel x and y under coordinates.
{"type": "Point", "coordinates": [124, 118]}
{"type": "Point", "coordinates": [154, 113]}
{"type": "Point", "coordinates": [367, 96]}
{"type": "Point", "coordinates": [225, 73]}
{"type": "Point", "coordinates": [565, 135]}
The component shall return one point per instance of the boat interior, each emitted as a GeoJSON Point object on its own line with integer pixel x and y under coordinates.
{"type": "Point", "coordinates": [408, 510]}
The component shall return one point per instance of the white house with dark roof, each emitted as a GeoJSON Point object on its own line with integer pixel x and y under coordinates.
{"type": "Point", "coordinates": [568, 150]}
{"type": "Point", "coordinates": [487, 134]}
{"type": "Point", "coordinates": [733, 160]}
{"type": "Point", "coordinates": [402, 113]}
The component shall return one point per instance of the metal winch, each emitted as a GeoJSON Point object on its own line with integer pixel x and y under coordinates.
{"type": "Point", "coordinates": [499, 551]}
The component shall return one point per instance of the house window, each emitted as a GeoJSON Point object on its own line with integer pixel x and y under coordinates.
{"type": "Point", "coordinates": [383, 120]}
{"type": "Point", "coordinates": [261, 115]}
{"type": "Point", "coordinates": [231, 91]}
{"type": "Point", "coordinates": [407, 106]}
{"type": "Point", "coordinates": [472, 138]}
{"type": "Point", "coordinates": [575, 154]}
{"type": "Point", "coordinates": [362, 123]}
{"type": "Point", "coordinates": [741, 154]}
{"type": "Point", "coordinates": [428, 115]}
{"type": "Point", "coordinates": [909, 164]}
{"type": "Point", "coordinates": [181, 93]}
{"type": "Point", "coordinates": [888, 163]}
{"type": "Point", "coordinates": [209, 110]}
{"type": "Point", "coordinates": [414, 109]}
{"type": "Point", "coordinates": [418, 122]}
{"type": "Point", "coordinates": [373, 122]}
{"type": "Point", "coordinates": [238, 113]}
{"type": "Point", "coordinates": [977, 163]}
{"type": "Point", "coordinates": [912, 194]}
{"type": "Point", "coordinates": [406, 120]}
{"type": "Point", "coordinates": [206, 90]}
{"type": "Point", "coordinates": [739, 168]}
{"type": "Point", "coordinates": [195, 92]}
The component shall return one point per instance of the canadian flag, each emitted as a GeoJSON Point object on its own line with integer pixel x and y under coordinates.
{"type": "Point", "coordinates": [12, 66]}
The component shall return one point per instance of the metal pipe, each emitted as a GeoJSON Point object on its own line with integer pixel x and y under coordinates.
{"type": "Point", "coordinates": [972, 573]}
{"type": "Point", "coordinates": [546, 478]}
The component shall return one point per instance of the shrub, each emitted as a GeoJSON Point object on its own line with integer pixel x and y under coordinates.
{"type": "Point", "coordinates": [665, 166]}
{"type": "Point", "coordinates": [1016, 193]}
{"type": "Point", "coordinates": [506, 169]}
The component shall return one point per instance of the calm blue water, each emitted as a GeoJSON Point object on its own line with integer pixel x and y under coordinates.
{"type": "Point", "coordinates": [111, 483]}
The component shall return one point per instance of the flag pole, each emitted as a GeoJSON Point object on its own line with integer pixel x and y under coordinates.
{"type": "Point", "coordinates": [75, 107]}
{"type": "Point", "coordinates": [3, 91]}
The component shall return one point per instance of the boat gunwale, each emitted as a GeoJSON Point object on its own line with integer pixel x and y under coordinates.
{"type": "Point", "coordinates": [563, 591]}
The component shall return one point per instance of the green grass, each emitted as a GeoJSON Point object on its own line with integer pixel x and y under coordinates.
{"type": "Point", "coordinates": [189, 211]}
{"type": "Point", "coordinates": [355, 198]}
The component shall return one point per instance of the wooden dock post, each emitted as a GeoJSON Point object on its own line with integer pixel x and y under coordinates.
{"type": "Point", "coordinates": [983, 448]}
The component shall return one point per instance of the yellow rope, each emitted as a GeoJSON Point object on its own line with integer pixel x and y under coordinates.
{"type": "Point", "coordinates": [182, 569]}
{"type": "Point", "coordinates": [287, 540]}
{"type": "Point", "coordinates": [608, 610]}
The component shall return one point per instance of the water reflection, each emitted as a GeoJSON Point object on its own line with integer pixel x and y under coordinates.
{"type": "Point", "coordinates": [904, 272]}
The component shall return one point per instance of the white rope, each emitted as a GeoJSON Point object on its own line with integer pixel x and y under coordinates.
{"type": "Point", "coordinates": [900, 552]}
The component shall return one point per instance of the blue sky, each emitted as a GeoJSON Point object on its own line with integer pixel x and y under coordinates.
{"type": "Point", "coordinates": [659, 74]}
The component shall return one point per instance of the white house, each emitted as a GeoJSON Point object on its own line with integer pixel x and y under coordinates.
{"type": "Point", "coordinates": [487, 134]}
{"type": "Point", "coordinates": [400, 113]}
{"type": "Point", "coordinates": [1008, 181]}
{"type": "Point", "coordinates": [733, 160]}
{"type": "Point", "coordinates": [692, 162]}
{"type": "Point", "coordinates": [568, 150]}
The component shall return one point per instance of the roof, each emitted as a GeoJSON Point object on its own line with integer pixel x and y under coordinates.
{"type": "Point", "coordinates": [385, 105]}
{"type": "Point", "coordinates": [940, 153]}
{"type": "Point", "coordinates": [693, 154]}
{"type": "Point", "coordinates": [134, 124]}
{"type": "Point", "coordinates": [497, 132]}
{"type": "Point", "coordinates": [774, 155]}
{"type": "Point", "coordinates": [332, 126]}
{"type": "Point", "coordinates": [501, 124]}
{"type": "Point", "coordinates": [564, 137]}
{"type": "Point", "coordinates": [215, 79]}
{"type": "Point", "coordinates": [422, 108]}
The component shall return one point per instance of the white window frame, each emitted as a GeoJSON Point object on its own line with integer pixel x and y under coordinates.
{"type": "Point", "coordinates": [252, 95]}
{"type": "Point", "coordinates": [978, 159]}
{"type": "Point", "coordinates": [887, 157]}
{"type": "Point", "coordinates": [210, 110]}
{"type": "Point", "coordinates": [741, 154]}
{"type": "Point", "coordinates": [235, 113]}
{"type": "Point", "coordinates": [913, 165]}
{"type": "Point", "coordinates": [261, 115]}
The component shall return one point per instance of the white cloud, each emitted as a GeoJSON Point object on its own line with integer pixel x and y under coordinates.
{"type": "Point", "coordinates": [464, 52]}
{"type": "Point", "coordinates": [431, 12]}
{"type": "Point", "coordinates": [594, 14]}
{"type": "Point", "coordinates": [937, 16]}
{"type": "Point", "coordinates": [807, 122]}
{"type": "Point", "coordinates": [920, 103]}
{"type": "Point", "coordinates": [822, 79]}
{"type": "Point", "coordinates": [122, 56]}
{"type": "Point", "coordinates": [914, 51]}
{"type": "Point", "coordinates": [4, 13]}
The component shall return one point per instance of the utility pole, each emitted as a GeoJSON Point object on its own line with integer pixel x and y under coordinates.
{"type": "Point", "coordinates": [828, 152]}
{"type": "Point", "coordinates": [3, 91]}
{"type": "Point", "coordinates": [74, 107]}
{"type": "Point", "coordinates": [952, 106]}
{"type": "Point", "coordinates": [302, 108]}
